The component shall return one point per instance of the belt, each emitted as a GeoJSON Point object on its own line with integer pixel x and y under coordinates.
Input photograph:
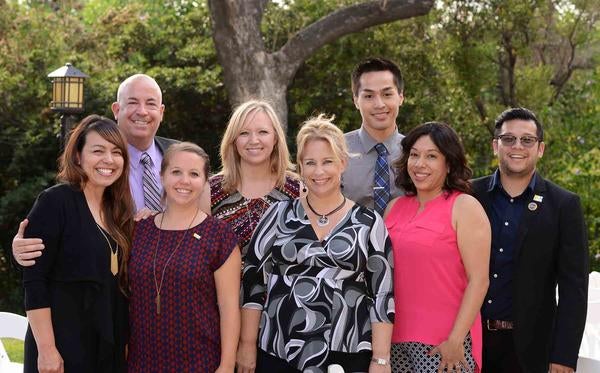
{"type": "Point", "coordinates": [493, 325]}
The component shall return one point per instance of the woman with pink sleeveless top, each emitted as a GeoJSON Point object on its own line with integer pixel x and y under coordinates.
{"type": "Point", "coordinates": [441, 240]}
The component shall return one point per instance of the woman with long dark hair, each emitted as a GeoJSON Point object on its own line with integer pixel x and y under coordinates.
{"type": "Point", "coordinates": [441, 239]}
{"type": "Point", "coordinates": [74, 295]}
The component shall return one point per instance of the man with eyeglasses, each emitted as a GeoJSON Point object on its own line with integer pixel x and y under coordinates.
{"type": "Point", "coordinates": [538, 242]}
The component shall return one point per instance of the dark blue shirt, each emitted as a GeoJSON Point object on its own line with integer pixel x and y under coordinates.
{"type": "Point", "coordinates": [505, 217]}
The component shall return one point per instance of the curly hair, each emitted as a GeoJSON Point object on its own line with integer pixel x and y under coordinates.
{"type": "Point", "coordinates": [449, 144]}
{"type": "Point", "coordinates": [321, 127]}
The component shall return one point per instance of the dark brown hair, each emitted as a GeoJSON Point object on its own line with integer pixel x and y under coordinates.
{"type": "Point", "coordinates": [376, 64]}
{"type": "Point", "coordinates": [449, 144]}
{"type": "Point", "coordinates": [117, 204]}
{"type": "Point", "coordinates": [518, 113]}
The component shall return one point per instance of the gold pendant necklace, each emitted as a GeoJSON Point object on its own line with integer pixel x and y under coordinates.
{"type": "Point", "coordinates": [114, 255]}
{"type": "Point", "coordinates": [158, 284]}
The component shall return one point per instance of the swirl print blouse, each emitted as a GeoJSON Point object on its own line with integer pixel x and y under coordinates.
{"type": "Point", "coordinates": [318, 296]}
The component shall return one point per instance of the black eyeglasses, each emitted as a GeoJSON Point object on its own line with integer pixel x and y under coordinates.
{"type": "Point", "coordinates": [510, 140]}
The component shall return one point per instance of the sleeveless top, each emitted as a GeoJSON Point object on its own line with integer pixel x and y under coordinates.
{"type": "Point", "coordinates": [429, 275]}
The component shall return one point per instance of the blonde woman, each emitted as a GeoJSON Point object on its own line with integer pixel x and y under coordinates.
{"type": "Point", "coordinates": [318, 273]}
{"type": "Point", "coordinates": [256, 170]}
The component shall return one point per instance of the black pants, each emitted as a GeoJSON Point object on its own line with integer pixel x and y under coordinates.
{"type": "Point", "coordinates": [351, 362]}
{"type": "Point", "coordinates": [499, 355]}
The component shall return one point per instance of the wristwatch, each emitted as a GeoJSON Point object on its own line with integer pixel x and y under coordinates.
{"type": "Point", "coordinates": [380, 361]}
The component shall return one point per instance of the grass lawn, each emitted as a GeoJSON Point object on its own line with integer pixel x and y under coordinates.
{"type": "Point", "coordinates": [14, 349]}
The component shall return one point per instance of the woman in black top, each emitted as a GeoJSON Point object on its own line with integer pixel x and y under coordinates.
{"type": "Point", "coordinates": [73, 295]}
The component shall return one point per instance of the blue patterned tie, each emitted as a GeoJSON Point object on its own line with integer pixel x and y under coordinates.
{"type": "Point", "coordinates": [151, 188]}
{"type": "Point", "coordinates": [381, 183]}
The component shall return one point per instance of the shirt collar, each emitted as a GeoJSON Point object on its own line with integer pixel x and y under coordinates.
{"type": "Point", "coordinates": [135, 154]}
{"type": "Point", "coordinates": [368, 143]}
{"type": "Point", "coordinates": [495, 183]}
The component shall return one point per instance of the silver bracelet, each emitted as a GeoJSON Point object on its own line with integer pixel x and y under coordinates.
{"type": "Point", "coordinates": [380, 361]}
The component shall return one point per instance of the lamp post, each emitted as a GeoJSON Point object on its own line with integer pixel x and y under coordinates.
{"type": "Point", "coordinates": [67, 97]}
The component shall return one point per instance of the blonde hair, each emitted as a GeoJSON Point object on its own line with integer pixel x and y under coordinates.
{"type": "Point", "coordinates": [321, 127]}
{"type": "Point", "coordinates": [230, 158]}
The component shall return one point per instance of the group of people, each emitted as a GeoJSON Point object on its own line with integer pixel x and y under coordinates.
{"type": "Point", "coordinates": [375, 252]}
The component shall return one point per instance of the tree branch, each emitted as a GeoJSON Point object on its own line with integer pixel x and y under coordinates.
{"type": "Point", "coordinates": [560, 78]}
{"type": "Point", "coordinates": [346, 21]}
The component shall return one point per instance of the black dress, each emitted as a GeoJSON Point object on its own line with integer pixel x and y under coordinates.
{"type": "Point", "coordinates": [73, 278]}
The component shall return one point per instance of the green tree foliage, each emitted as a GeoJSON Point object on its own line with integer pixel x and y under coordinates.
{"type": "Point", "coordinates": [463, 63]}
{"type": "Point", "coordinates": [28, 142]}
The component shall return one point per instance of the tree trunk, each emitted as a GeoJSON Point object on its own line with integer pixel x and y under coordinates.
{"type": "Point", "coordinates": [250, 71]}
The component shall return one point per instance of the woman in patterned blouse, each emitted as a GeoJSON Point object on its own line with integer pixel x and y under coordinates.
{"type": "Point", "coordinates": [318, 273]}
{"type": "Point", "coordinates": [256, 170]}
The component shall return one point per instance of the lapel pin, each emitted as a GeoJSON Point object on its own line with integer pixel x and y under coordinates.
{"type": "Point", "coordinates": [532, 206]}
{"type": "Point", "coordinates": [538, 198]}
{"type": "Point", "coordinates": [197, 236]}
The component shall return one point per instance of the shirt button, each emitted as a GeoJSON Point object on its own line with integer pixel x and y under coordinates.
{"type": "Point", "coordinates": [501, 250]}
{"type": "Point", "coordinates": [506, 223]}
{"type": "Point", "coordinates": [495, 275]}
{"type": "Point", "coordinates": [512, 200]}
{"type": "Point", "coordinates": [489, 301]}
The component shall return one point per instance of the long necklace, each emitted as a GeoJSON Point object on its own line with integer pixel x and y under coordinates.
{"type": "Point", "coordinates": [158, 284]}
{"type": "Point", "coordinates": [323, 218]}
{"type": "Point", "coordinates": [114, 254]}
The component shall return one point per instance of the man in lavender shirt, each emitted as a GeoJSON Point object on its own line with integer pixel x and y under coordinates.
{"type": "Point", "coordinates": [138, 111]}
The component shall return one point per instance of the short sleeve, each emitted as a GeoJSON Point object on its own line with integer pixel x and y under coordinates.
{"type": "Point", "coordinates": [380, 272]}
{"type": "Point", "coordinates": [226, 241]}
{"type": "Point", "coordinates": [216, 191]}
{"type": "Point", "coordinates": [46, 221]}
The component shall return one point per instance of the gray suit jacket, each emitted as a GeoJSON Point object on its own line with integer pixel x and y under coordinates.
{"type": "Point", "coordinates": [163, 143]}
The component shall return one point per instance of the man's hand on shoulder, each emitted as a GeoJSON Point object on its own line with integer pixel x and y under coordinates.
{"type": "Point", "coordinates": [25, 250]}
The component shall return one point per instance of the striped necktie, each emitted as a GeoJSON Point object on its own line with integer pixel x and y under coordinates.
{"type": "Point", "coordinates": [151, 188]}
{"type": "Point", "coordinates": [381, 182]}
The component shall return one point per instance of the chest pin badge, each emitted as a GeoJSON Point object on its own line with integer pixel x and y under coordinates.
{"type": "Point", "coordinates": [538, 198]}
{"type": "Point", "coordinates": [196, 236]}
{"type": "Point", "coordinates": [532, 206]}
